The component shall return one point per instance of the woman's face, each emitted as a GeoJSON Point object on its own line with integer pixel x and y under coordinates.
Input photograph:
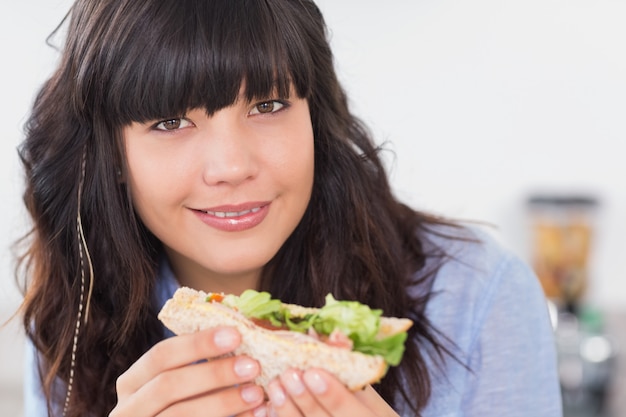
{"type": "Point", "coordinates": [224, 192]}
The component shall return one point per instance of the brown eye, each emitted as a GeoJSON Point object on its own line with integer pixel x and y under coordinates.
{"type": "Point", "coordinates": [265, 107]}
{"type": "Point", "coordinates": [172, 124]}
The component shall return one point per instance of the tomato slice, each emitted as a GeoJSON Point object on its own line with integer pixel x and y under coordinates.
{"type": "Point", "coordinates": [266, 324]}
{"type": "Point", "coordinates": [217, 297]}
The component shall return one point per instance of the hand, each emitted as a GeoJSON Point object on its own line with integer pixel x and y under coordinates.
{"type": "Point", "coordinates": [316, 393]}
{"type": "Point", "coordinates": [174, 379]}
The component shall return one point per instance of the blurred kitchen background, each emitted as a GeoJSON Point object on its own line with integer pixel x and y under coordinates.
{"type": "Point", "coordinates": [507, 112]}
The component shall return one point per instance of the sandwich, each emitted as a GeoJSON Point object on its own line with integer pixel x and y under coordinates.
{"type": "Point", "coordinates": [345, 338]}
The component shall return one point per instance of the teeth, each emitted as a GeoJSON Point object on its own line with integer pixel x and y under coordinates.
{"type": "Point", "coordinates": [223, 214]}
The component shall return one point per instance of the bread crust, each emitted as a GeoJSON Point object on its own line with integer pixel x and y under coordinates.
{"type": "Point", "coordinates": [275, 350]}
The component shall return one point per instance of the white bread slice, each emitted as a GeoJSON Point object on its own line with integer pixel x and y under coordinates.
{"type": "Point", "coordinates": [392, 325]}
{"type": "Point", "coordinates": [276, 351]}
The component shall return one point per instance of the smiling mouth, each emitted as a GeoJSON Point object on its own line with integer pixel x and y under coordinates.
{"type": "Point", "coordinates": [234, 218]}
{"type": "Point", "coordinates": [226, 214]}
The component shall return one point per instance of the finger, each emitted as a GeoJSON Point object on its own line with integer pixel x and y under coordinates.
{"type": "Point", "coordinates": [260, 411]}
{"type": "Point", "coordinates": [231, 401]}
{"type": "Point", "coordinates": [281, 404]}
{"type": "Point", "coordinates": [176, 352]}
{"type": "Point", "coordinates": [301, 397]}
{"type": "Point", "coordinates": [372, 400]}
{"type": "Point", "coordinates": [181, 384]}
{"type": "Point", "coordinates": [332, 395]}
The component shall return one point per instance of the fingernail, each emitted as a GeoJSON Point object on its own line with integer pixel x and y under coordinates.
{"type": "Point", "coordinates": [246, 367]}
{"type": "Point", "coordinates": [225, 338]}
{"type": "Point", "coordinates": [292, 381]}
{"type": "Point", "coordinates": [276, 393]}
{"type": "Point", "coordinates": [251, 394]}
{"type": "Point", "coordinates": [315, 382]}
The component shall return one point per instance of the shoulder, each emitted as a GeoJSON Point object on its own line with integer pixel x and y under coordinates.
{"type": "Point", "coordinates": [476, 273]}
{"type": "Point", "coordinates": [472, 264]}
{"type": "Point", "coordinates": [34, 398]}
{"type": "Point", "coordinates": [490, 310]}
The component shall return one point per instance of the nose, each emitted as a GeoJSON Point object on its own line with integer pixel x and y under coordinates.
{"type": "Point", "coordinates": [229, 153]}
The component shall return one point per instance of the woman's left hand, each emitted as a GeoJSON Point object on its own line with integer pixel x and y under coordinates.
{"type": "Point", "coordinates": [316, 393]}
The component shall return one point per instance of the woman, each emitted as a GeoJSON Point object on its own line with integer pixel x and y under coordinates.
{"type": "Point", "coordinates": [208, 143]}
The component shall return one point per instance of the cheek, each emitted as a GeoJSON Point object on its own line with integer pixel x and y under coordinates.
{"type": "Point", "coordinates": [154, 180]}
{"type": "Point", "coordinates": [300, 176]}
{"type": "Point", "coordinates": [140, 174]}
{"type": "Point", "coordinates": [295, 170]}
{"type": "Point", "coordinates": [143, 194]}
{"type": "Point", "coordinates": [304, 165]}
{"type": "Point", "coordinates": [297, 158]}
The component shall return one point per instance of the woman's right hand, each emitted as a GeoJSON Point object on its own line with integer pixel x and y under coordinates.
{"type": "Point", "coordinates": [172, 379]}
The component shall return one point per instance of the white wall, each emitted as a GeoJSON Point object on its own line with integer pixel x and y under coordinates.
{"type": "Point", "coordinates": [481, 101]}
{"type": "Point", "coordinates": [488, 100]}
{"type": "Point", "coordinates": [25, 61]}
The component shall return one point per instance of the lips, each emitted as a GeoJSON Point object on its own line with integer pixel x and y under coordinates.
{"type": "Point", "coordinates": [234, 218]}
{"type": "Point", "coordinates": [232, 213]}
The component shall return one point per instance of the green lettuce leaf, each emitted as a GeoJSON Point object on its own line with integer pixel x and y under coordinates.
{"type": "Point", "coordinates": [256, 304]}
{"type": "Point", "coordinates": [357, 321]}
{"type": "Point", "coordinates": [391, 348]}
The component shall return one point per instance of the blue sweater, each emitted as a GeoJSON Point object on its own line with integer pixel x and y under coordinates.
{"type": "Point", "coordinates": [491, 308]}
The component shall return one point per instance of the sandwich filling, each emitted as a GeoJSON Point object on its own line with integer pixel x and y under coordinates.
{"type": "Point", "coordinates": [344, 324]}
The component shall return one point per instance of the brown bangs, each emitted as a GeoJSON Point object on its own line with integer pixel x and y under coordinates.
{"type": "Point", "coordinates": [164, 58]}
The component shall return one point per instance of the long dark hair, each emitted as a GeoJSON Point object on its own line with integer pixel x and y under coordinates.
{"type": "Point", "coordinates": [126, 61]}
